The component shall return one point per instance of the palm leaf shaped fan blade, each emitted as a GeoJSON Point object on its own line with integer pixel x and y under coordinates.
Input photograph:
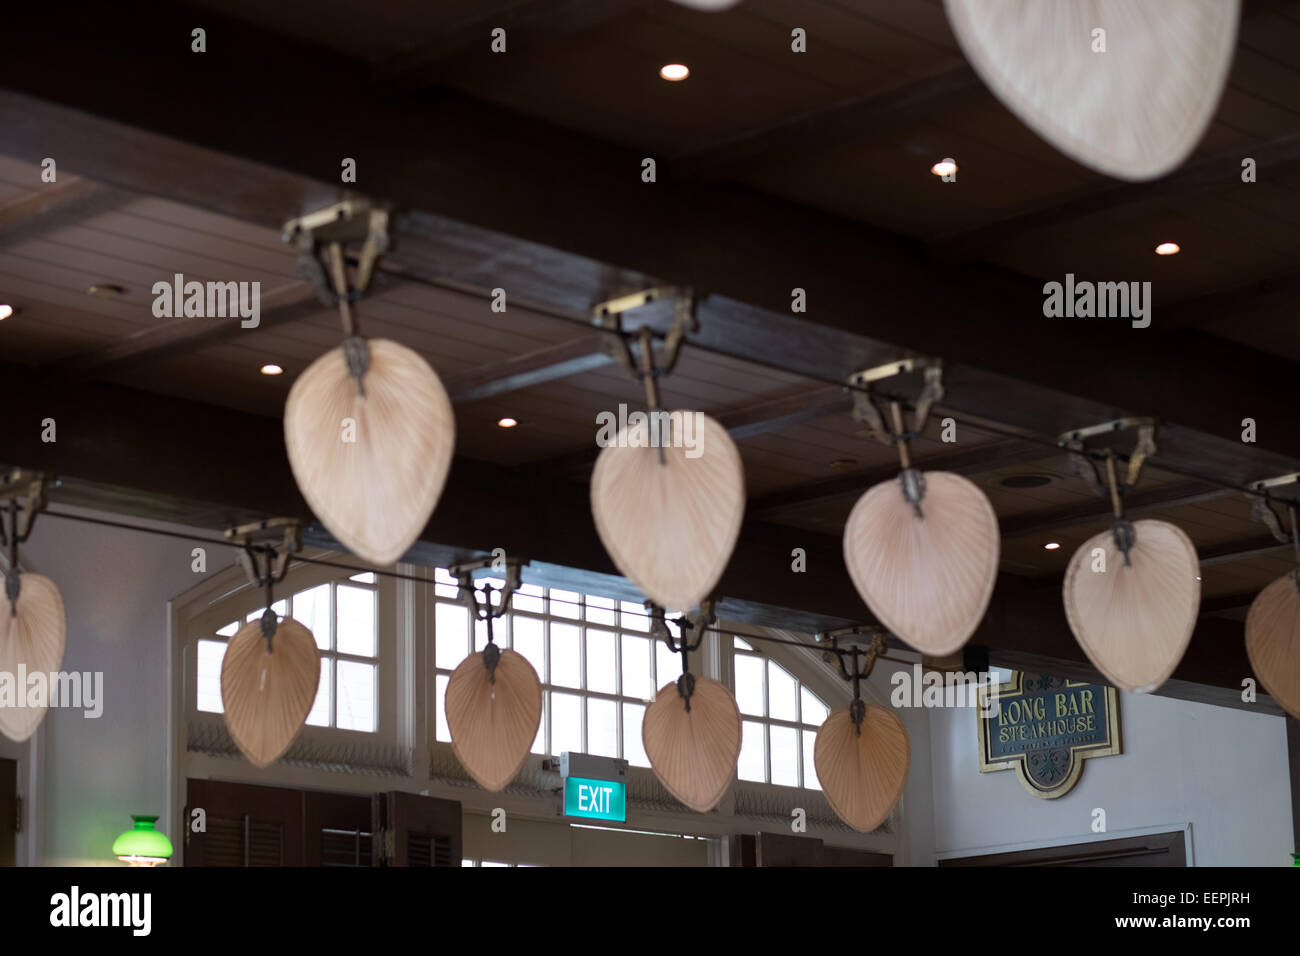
{"type": "Point", "coordinates": [1131, 101]}
{"type": "Point", "coordinates": [268, 688]}
{"type": "Point", "coordinates": [862, 768]}
{"type": "Point", "coordinates": [927, 576]}
{"type": "Point", "coordinates": [1131, 597]}
{"type": "Point", "coordinates": [493, 707]}
{"type": "Point", "coordinates": [669, 517]}
{"type": "Point", "coordinates": [1273, 623]}
{"type": "Point", "coordinates": [371, 453]}
{"type": "Point", "coordinates": [1273, 640]}
{"type": "Point", "coordinates": [33, 634]}
{"type": "Point", "coordinates": [693, 742]}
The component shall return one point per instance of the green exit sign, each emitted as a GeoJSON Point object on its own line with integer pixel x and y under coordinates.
{"type": "Point", "coordinates": [595, 799]}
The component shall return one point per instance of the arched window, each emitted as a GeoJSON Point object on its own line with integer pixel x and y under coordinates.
{"type": "Point", "coordinates": [350, 614]}
{"type": "Point", "coordinates": [594, 656]}
{"type": "Point", "coordinates": [780, 718]}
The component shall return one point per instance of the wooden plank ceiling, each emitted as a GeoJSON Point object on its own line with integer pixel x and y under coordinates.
{"type": "Point", "coordinates": [851, 127]}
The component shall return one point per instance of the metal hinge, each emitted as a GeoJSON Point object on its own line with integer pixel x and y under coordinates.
{"type": "Point", "coordinates": [385, 844]}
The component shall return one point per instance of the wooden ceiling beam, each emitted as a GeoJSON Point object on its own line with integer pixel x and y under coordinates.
{"type": "Point", "coordinates": [965, 461]}
{"type": "Point", "coordinates": [1139, 502]}
{"type": "Point", "coordinates": [757, 419]}
{"type": "Point", "coordinates": [55, 206]}
{"type": "Point", "coordinates": [581, 354]}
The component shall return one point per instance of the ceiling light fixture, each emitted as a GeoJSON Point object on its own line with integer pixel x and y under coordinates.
{"type": "Point", "coordinates": [506, 422]}
{"type": "Point", "coordinates": [1052, 545]}
{"type": "Point", "coordinates": [944, 167]}
{"type": "Point", "coordinates": [1168, 249]}
{"type": "Point", "coordinates": [5, 311]}
{"type": "Point", "coordinates": [271, 370]}
{"type": "Point", "coordinates": [674, 72]}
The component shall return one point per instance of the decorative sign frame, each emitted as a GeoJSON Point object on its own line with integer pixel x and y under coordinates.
{"type": "Point", "coordinates": [1045, 727]}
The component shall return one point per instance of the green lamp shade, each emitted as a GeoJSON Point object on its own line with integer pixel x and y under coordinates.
{"type": "Point", "coordinates": [143, 845]}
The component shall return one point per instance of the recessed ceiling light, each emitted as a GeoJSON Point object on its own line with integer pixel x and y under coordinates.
{"type": "Point", "coordinates": [106, 290]}
{"type": "Point", "coordinates": [1052, 545]}
{"type": "Point", "coordinates": [673, 72]}
{"type": "Point", "coordinates": [944, 167]}
{"type": "Point", "coordinates": [6, 311]}
{"type": "Point", "coordinates": [507, 422]}
{"type": "Point", "coordinates": [1168, 249]}
{"type": "Point", "coordinates": [271, 370]}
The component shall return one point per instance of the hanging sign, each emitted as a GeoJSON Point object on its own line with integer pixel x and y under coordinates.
{"type": "Point", "coordinates": [1045, 727]}
{"type": "Point", "coordinates": [595, 788]}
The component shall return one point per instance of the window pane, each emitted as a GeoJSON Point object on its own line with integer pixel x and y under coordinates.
{"type": "Point", "coordinates": [528, 598]}
{"type": "Point", "coordinates": [365, 577]}
{"type": "Point", "coordinates": [356, 704]}
{"type": "Point", "coordinates": [601, 610]}
{"type": "Point", "coordinates": [633, 617]}
{"type": "Point", "coordinates": [451, 636]}
{"type": "Point", "coordinates": [442, 732]}
{"type": "Point", "coordinates": [565, 603]}
{"type": "Point", "coordinates": [668, 665]}
{"type": "Point", "coordinates": [809, 769]}
{"type": "Point", "coordinates": [311, 609]}
{"type": "Point", "coordinates": [785, 755]}
{"type": "Point", "coordinates": [780, 692]}
{"type": "Point", "coordinates": [445, 585]}
{"type": "Point", "coordinates": [814, 711]}
{"type": "Point", "coordinates": [750, 764]}
{"type": "Point", "coordinates": [356, 621]}
{"type": "Point", "coordinates": [602, 727]}
{"type": "Point", "coordinates": [539, 742]}
{"type": "Point", "coordinates": [319, 715]}
{"type": "Point", "coordinates": [526, 638]}
{"type": "Point", "coordinates": [741, 645]}
{"type": "Point", "coordinates": [633, 747]}
{"type": "Point", "coordinates": [749, 684]}
{"type": "Point", "coordinates": [208, 684]}
{"type": "Point", "coordinates": [566, 664]}
{"type": "Point", "coordinates": [602, 672]}
{"type": "Point", "coordinates": [566, 723]}
{"type": "Point", "coordinates": [229, 630]}
{"type": "Point", "coordinates": [636, 668]}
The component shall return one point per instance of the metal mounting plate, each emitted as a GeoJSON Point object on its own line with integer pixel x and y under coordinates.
{"type": "Point", "coordinates": [1283, 487]}
{"type": "Point", "coordinates": [1113, 434]}
{"type": "Point", "coordinates": [892, 370]}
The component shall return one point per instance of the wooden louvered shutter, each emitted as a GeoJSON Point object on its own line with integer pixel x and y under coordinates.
{"type": "Point", "coordinates": [246, 825]}
{"type": "Point", "coordinates": [337, 828]}
{"type": "Point", "coordinates": [412, 830]}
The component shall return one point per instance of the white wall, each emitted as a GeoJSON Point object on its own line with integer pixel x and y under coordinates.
{"type": "Point", "coordinates": [1222, 770]}
{"type": "Point", "coordinates": [97, 772]}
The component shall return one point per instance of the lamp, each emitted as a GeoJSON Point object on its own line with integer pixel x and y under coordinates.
{"type": "Point", "coordinates": [142, 845]}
